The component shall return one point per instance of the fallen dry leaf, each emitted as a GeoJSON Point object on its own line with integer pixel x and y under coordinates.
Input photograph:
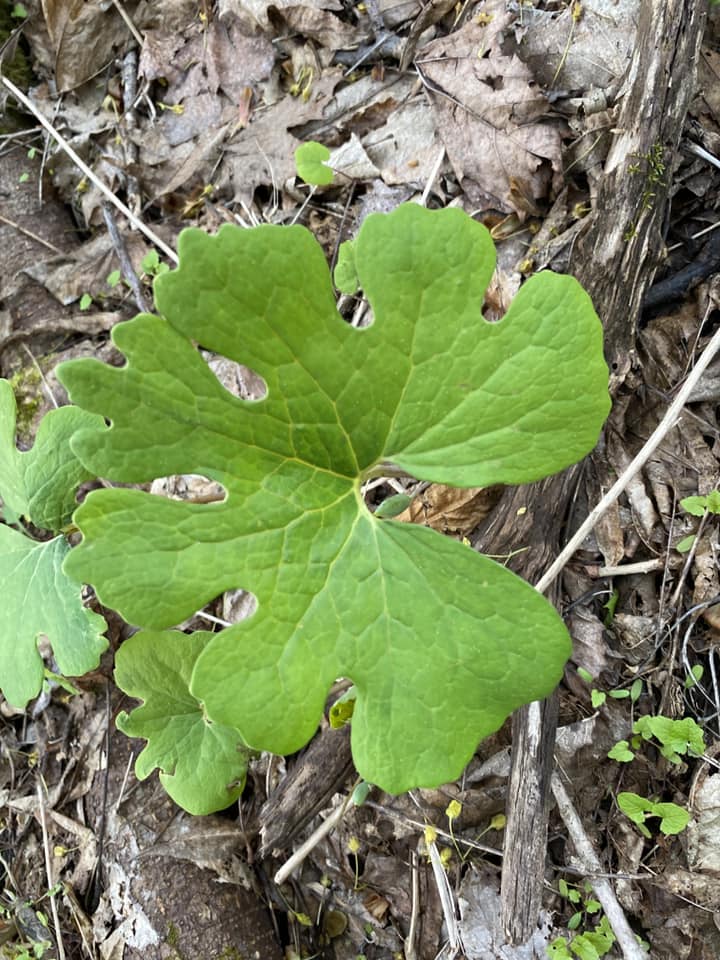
{"type": "Point", "coordinates": [492, 117]}
{"type": "Point", "coordinates": [83, 34]}
{"type": "Point", "coordinates": [451, 509]}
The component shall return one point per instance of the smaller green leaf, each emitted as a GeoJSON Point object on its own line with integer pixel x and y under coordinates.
{"type": "Point", "coordinates": [695, 676]}
{"type": "Point", "coordinates": [633, 806]}
{"type": "Point", "coordinates": [150, 262]}
{"type": "Point", "coordinates": [113, 279]}
{"type": "Point", "coordinates": [575, 921]}
{"type": "Point", "coordinates": [621, 752]}
{"type": "Point", "coordinates": [610, 607]}
{"type": "Point", "coordinates": [573, 895]}
{"type": "Point", "coordinates": [563, 888]}
{"type": "Point", "coordinates": [674, 818]}
{"type": "Point", "coordinates": [361, 793]}
{"type": "Point", "coordinates": [583, 948]}
{"type": "Point", "coordinates": [713, 501]}
{"type": "Point", "coordinates": [696, 506]}
{"type": "Point", "coordinates": [19, 11]}
{"type": "Point", "coordinates": [558, 949]}
{"type": "Point", "coordinates": [585, 675]}
{"type": "Point", "coordinates": [203, 764]}
{"type": "Point", "coordinates": [393, 506]}
{"type": "Point", "coordinates": [345, 275]}
{"type": "Point", "coordinates": [636, 690]}
{"type": "Point", "coordinates": [85, 301]}
{"type": "Point", "coordinates": [619, 694]}
{"type": "Point", "coordinates": [597, 698]}
{"type": "Point", "coordinates": [38, 598]}
{"type": "Point", "coordinates": [40, 484]}
{"type": "Point", "coordinates": [684, 545]}
{"type": "Point", "coordinates": [592, 906]}
{"type": "Point", "coordinates": [311, 163]}
{"type": "Point", "coordinates": [677, 737]}
{"type": "Point", "coordinates": [342, 710]}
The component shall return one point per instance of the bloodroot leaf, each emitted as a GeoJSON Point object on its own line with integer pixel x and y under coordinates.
{"type": "Point", "coordinates": [40, 483]}
{"type": "Point", "coordinates": [440, 642]}
{"type": "Point", "coordinates": [203, 763]}
{"type": "Point", "coordinates": [38, 598]}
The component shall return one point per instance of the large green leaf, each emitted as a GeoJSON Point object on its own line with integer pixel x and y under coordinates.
{"type": "Point", "coordinates": [203, 764]}
{"type": "Point", "coordinates": [440, 642]}
{"type": "Point", "coordinates": [39, 598]}
{"type": "Point", "coordinates": [40, 484]}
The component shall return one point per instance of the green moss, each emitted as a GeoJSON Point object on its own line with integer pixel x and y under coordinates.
{"type": "Point", "coordinates": [26, 387]}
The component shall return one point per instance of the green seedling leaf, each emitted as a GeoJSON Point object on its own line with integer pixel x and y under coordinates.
{"type": "Point", "coordinates": [633, 806]}
{"type": "Point", "coordinates": [619, 694]}
{"type": "Point", "coordinates": [597, 698]}
{"type": "Point", "coordinates": [677, 737]}
{"type": "Point", "coordinates": [440, 642]}
{"type": "Point", "coordinates": [203, 764]}
{"type": "Point", "coordinates": [585, 675]}
{"type": "Point", "coordinates": [673, 818]}
{"type": "Point", "coordinates": [342, 710]}
{"type": "Point", "coordinates": [311, 163]}
{"type": "Point", "coordinates": [695, 676]}
{"type": "Point", "coordinates": [636, 690]}
{"type": "Point", "coordinates": [393, 506]}
{"type": "Point", "coordinates": [38, 598]}
{"type": "Point", "coordinates": [696, 506]}
{"type": "Point", "coordinates": [621, 752]}
{"type": "Point", "coordinates": [558, 949]}
{"type": "Point", "coordinates": [685, 545]}
{"type": "Point", "coordinates": [85, 301]}
{"type": "Point", "coordinates": [40, 484]}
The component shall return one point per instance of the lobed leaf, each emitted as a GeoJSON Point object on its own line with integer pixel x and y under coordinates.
{"type": "Point", "coordinates": [40, 484]}
{"type": "Point", "coordinates": [440, 642]}
{"type": "Point", "coordinates": [203, 764]}
{"type": "Point", "coordinates": [39, 598]}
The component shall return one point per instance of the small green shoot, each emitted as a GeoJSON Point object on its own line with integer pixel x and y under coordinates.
{"type": "Point", "coordinates": [676, 737]}
{"type": "Point", "coordinates": [621, 752]}
{"type": "Point", "coordinates": [113, 279]}
{"type": "Point", "coordinates": [673, 818]}
{"type": "Point", "coordinates": [695, 676]}
{"type": "Point", "coordinates": [85, 301]}
{"type": "Point", "coordinates": [19, 11]}
{"type": "Point", "coordinates": [698, 506]}
{"type": "Point", "coordinates": [588, 944]}
{"type": "Point", "coordinates": [610, 607]}
{"type": "Point", "coordinates": [311, 163]}
{"type": "Point", "coordinates": [152, 266]}
{"type": "Point", "coordinates": [685, 545]}
{"type": "Point", "coordinates": [393, 506]}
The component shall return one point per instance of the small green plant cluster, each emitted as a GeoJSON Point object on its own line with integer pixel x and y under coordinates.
{"type": "Point", "coordinates": [673, 818]}
{"type": "Point", "coordinates": [698, 506]}
{"type": "Point", "coordinates": [674, 739]}
{"type": "Point", "coordinates": [440, 642]}
{"type": "Point", "coordinates": [586, 944]}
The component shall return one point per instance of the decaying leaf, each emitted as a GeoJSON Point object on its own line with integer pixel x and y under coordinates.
{"type": "Point", "coordinates": [492, 118]}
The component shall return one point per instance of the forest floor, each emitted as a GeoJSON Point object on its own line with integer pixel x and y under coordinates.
{"type": "Point", "coordinates": [190, 113]}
